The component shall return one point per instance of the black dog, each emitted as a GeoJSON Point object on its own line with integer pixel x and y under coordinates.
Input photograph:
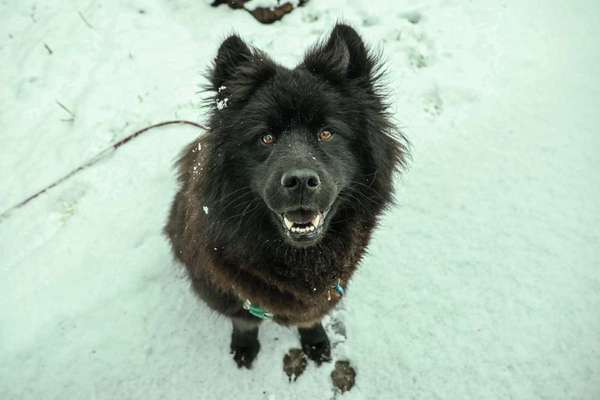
{"type": "Point", "coordinates": [278, 200]}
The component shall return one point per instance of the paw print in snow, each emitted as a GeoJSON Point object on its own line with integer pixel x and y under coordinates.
{"type": "Point", "coordinates": [414, 42]}
{"type": "Point", "coordinates": [433, 103]}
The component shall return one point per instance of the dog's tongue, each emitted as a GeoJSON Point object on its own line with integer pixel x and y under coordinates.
{"type": "Point", "coordinates": [300, 216]}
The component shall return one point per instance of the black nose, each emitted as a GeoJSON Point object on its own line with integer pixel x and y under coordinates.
{"type": "Point", "coordinates": [300, 178]}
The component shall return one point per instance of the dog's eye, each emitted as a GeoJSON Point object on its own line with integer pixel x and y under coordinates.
{"type": "Point", "coordinates": [267, 138]}
{"type": "Point", "coordinates": [325, 135]}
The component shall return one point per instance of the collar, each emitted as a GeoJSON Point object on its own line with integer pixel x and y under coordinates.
{"type": "Point", "coordinates": [259, 312]}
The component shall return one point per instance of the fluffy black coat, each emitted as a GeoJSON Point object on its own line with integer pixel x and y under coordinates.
{"type": "Point", "coordinates": [266, 120]}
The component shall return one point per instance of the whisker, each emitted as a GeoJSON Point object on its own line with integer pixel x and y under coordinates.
{"type": "Point", "coordinates": [241, 197]}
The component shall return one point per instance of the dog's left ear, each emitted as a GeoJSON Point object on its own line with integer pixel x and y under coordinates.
{"type": "Point", "coordinates": [343, 56]}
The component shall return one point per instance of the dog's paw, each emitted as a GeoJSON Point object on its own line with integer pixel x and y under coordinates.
{"type": "Point", "coordinates": [319, 352]}
{"type": "Point", "coordinates": [315, 343]}
{"type": "Point", "coordinates": [294, 364]}
{"type": "Point", "coordinates": [343, 376]}
{"type": "Point", "coordinates": [245, 355]}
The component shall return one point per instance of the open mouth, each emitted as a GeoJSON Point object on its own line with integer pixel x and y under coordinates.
{"type": "Point", "coordinates": [303, 224]}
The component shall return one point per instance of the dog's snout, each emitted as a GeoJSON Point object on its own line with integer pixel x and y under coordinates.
{"type": "Point", "coordinates": [300, 178]}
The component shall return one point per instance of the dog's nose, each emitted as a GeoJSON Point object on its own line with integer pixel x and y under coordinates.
{"type": "Point", "coordinates": [300, 178]}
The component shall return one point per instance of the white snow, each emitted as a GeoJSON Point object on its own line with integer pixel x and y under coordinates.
{"type": "Point", "coordinates": [270, 4]}
{"type": "Point", "coordinates": [222, 104]}
{"type": "Point", "coordinates": [483, 283]}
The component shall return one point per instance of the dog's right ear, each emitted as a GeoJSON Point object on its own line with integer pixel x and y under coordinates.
{"type": "Point", "coordinates": [232, 53]}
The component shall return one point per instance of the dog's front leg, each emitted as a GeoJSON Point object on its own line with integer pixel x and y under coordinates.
{"type": "Point", "coordinates": [244, 341]}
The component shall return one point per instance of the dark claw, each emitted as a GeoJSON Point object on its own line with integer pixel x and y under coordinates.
{"type": "Point", "coordinates": [245, 355]}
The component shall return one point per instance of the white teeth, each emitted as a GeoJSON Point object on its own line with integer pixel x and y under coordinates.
{"type": "Point", "coordinates": [316, 220]}
{"type": "Point", "coordinates": [310, 227]}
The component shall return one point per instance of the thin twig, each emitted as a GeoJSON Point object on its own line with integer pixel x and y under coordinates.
{"type": "Point", "coordinates": [85, 20]}
{"type": "Point", "coordinates": [71, 113]}
{"type": "Point", "coordinates": [48, 48]}
{"type": "Point", "coordinates": [101, 155]}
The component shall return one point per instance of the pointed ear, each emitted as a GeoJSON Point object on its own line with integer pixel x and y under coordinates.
{"type": "Point", "coordinates": [344, 55]}
{"type": "Point", "coordinates": [232, 53]}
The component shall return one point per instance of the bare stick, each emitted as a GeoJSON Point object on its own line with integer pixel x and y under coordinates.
{"type": "Point", "coordinates": [85, 20]}
{"type": "Point", "coordinates": [48, 48]}
{"type": "Point", "coordinates": [71, 113]}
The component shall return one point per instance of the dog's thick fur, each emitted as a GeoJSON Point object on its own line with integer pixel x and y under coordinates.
{"type": "Point", "coordinates": [222, 226]}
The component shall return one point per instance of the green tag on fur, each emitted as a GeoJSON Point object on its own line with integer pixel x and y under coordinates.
{"type": "Point", "coordinates": [256, 310]}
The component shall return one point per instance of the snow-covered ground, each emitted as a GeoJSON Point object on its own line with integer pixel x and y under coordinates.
{"type": "Point", "coordinates": [484, 282]}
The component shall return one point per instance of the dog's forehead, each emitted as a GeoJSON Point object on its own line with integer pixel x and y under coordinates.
{"type": "Point", "coordinates": [296, 84]}
{"type": "Point", "coordinates": [297, 95]}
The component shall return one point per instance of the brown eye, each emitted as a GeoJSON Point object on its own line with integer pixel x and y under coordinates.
{"type": "Point", "coordinates": [267, 138]}
{"type": "Point", "coordinates": [325, 136]}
